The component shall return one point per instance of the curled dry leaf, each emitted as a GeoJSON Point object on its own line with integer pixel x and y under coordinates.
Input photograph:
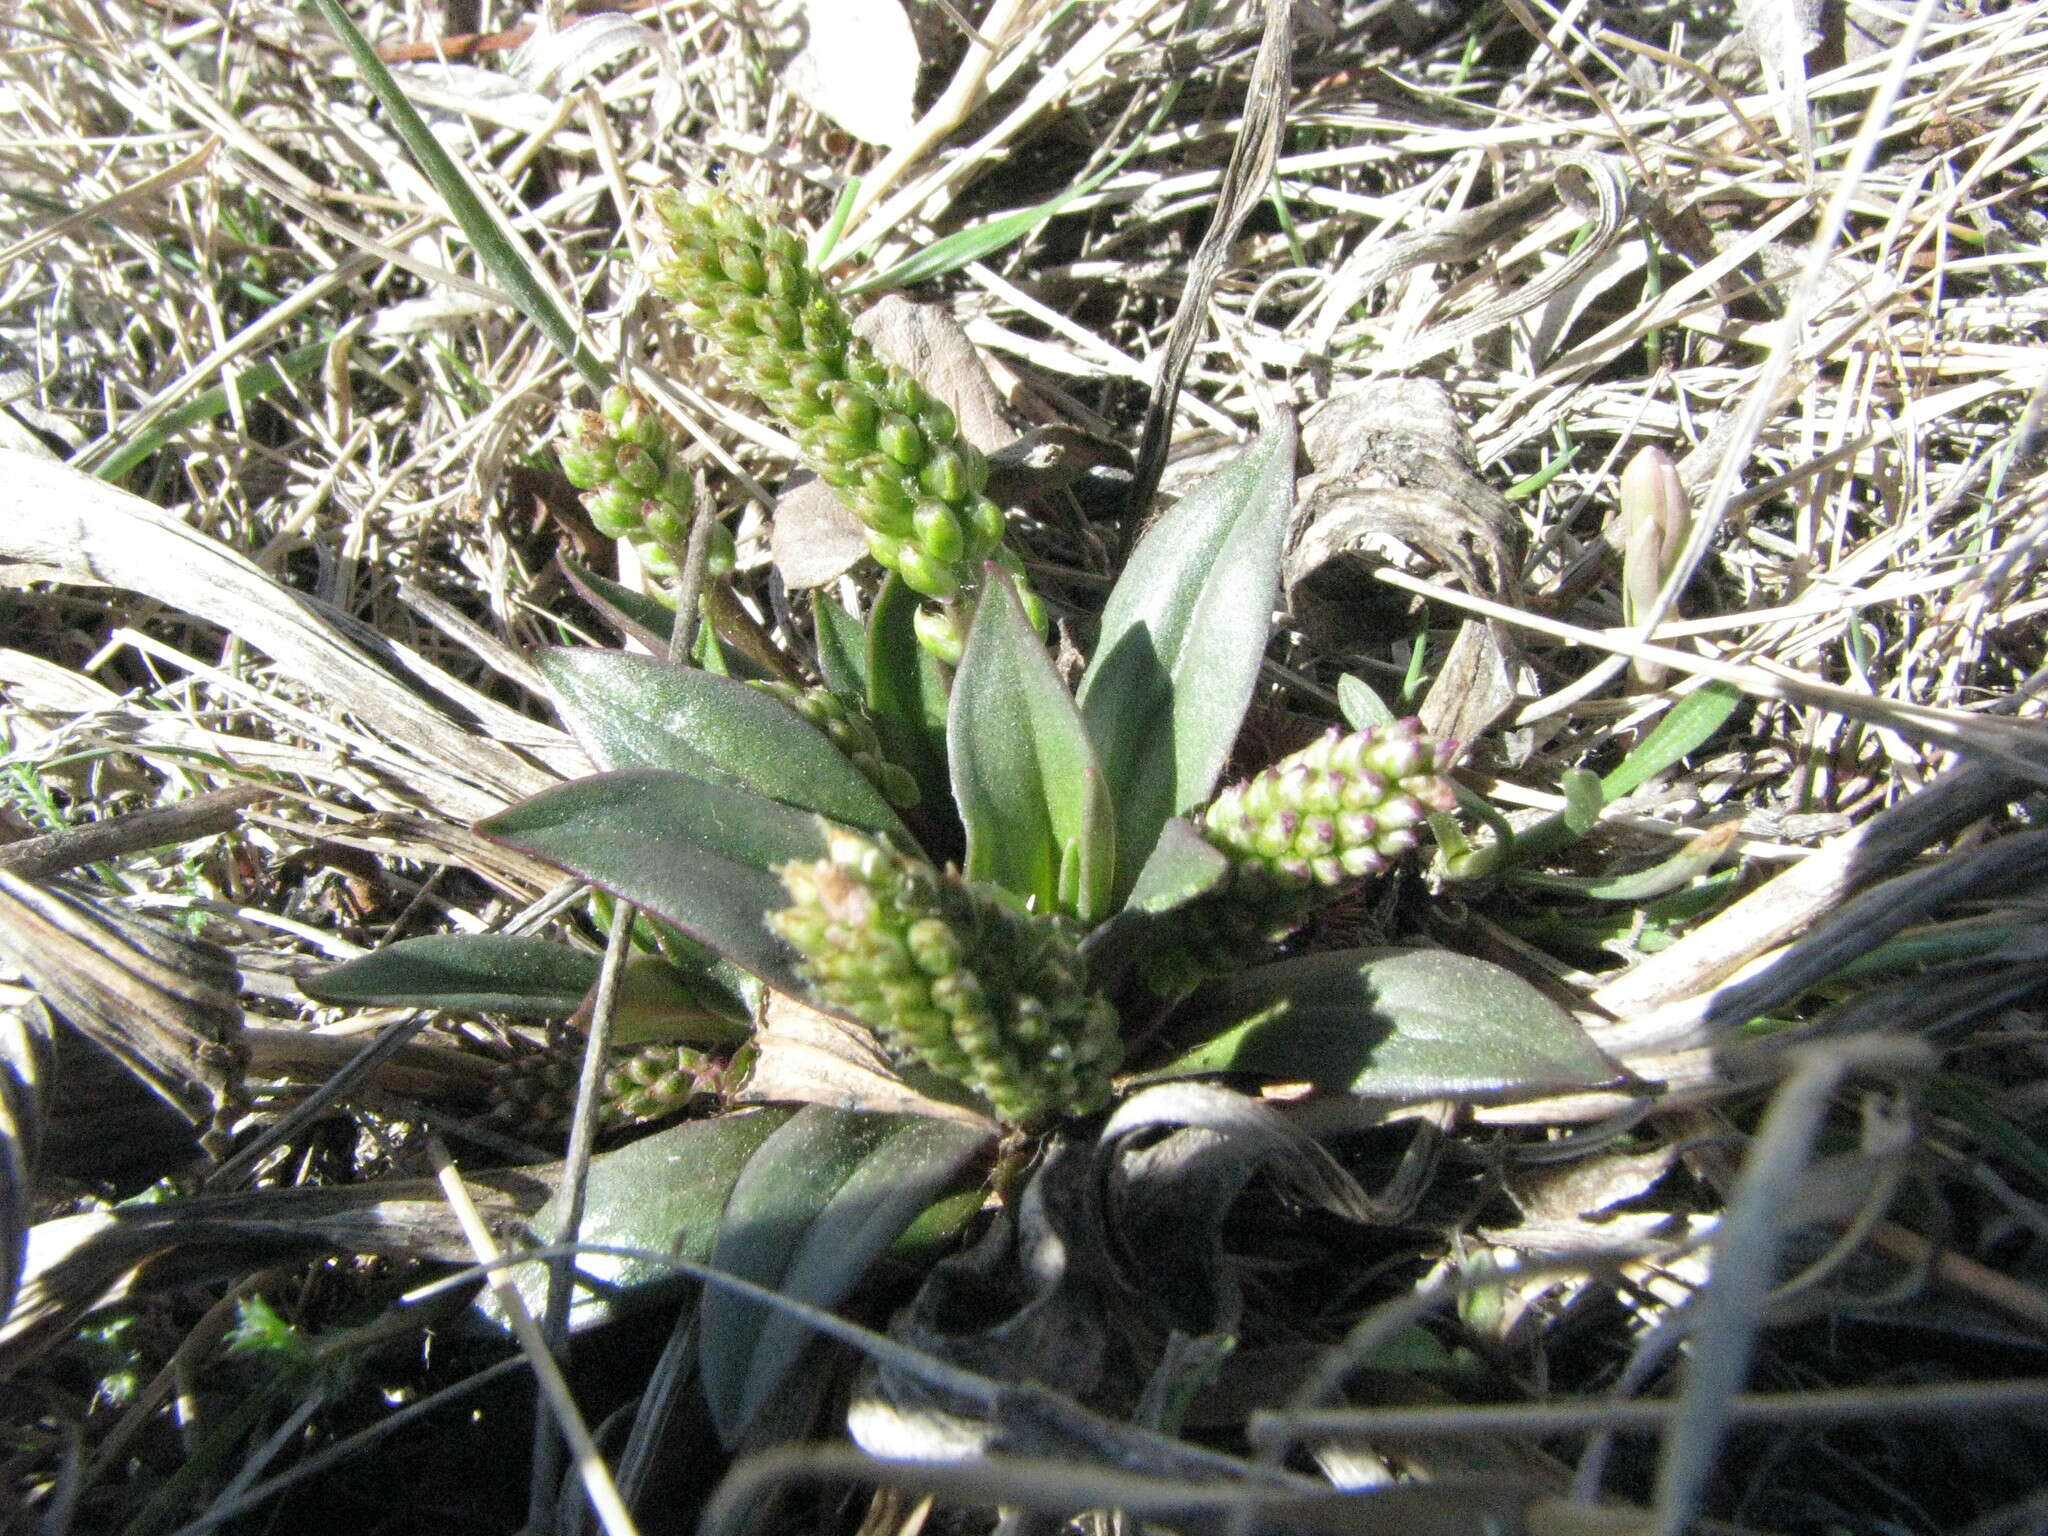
{"type": "Point", "coordinates": [805, 1056]}
{"type": "Point", "coordinates": [562, 58]}
{"type": "Point", "coordinates": [1114, 1248]}
{"type": "Point", "coordinates": [1394, 482]}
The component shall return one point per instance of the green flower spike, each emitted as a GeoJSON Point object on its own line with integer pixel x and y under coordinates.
{"type": "Point", "coordinates": [1341, 809]}
{"type": "Point", "coordinates": [949, 974]}
{"type": "Point", "coordinates": [634, 483]}
{"type": "Point", "coordinates": [892, 452]}
{"type": "Point", "coordinates": [853, 733]}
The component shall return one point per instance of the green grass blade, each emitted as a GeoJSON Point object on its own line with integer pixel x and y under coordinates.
{"type": "Point", "coordinates": [250, 384]}
{"type": "Point", "coordinates": [501, 249]}
{"type": "Point", "coordinates": [991, 235]}
{"type": "Point", "coordinates": [1684, 729]}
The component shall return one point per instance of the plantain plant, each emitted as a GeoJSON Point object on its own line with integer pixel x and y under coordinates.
{"type": "Point", "coordinates": [1029, 897]}
{"type": "Point", "coordinates": [766, 829]}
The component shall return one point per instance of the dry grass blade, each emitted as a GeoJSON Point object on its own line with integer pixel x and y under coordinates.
{"type": "Point", "coordinates": [24, 1078]}
{"type": "Point", "coordinates": [163, 1002]}
{"type": "Point", "coordinates": [1253, 153]}
{"type": "Point", "coordinates": [611, 1510]}
{"type": "Point", "coordinates": [59, 525]}
{"type": "Point", "coordinates": [1746, 1246]}
{"type": "Point", "coordinates": [554, 1322]}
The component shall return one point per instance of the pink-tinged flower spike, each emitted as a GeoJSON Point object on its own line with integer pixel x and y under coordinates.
{"type": "Point", "coordinates": [1338, 811]}
{"type": "Point", "coordinates": [951, 975]}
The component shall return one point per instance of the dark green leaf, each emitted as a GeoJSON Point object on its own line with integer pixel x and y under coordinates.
{"type": "Point", "coordinates": [1182, 637]}
{"type": "Point", "coordinates": [635, 615]}
{"type": "Point", "coordinates": [842, 647]}
{"type": "Point", "coordinates": [1685, 728]}
{"type": "Point", "coordinates": [1183, 865]}
{"type": "Point", "coordinates": [907, 691]}
{"type": "Point", "coordinates": [821, 1200]}
{"type": "Point", "coordinates": [464, 973]}
{"type": "Point", "coordinates": [1024, 774]}
{"type": "Point", "coordinates": [641, 712]}
{"type": "Point", "coordinates": [1395, 1024]}
{"type": "Point", "coordinates": [699, 855]}
{"type": "Point", "coordinates": [663, 1194]}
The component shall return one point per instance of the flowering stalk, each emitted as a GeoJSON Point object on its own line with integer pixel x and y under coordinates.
{"type": "Point", "coordinates": [1340, 810]}
{"type": "Point", "coordinates": [635, 487]}
{"type": "Point", "coordinates": [870, 430]}
{"type": "Point", "coordinates": [949, 974]}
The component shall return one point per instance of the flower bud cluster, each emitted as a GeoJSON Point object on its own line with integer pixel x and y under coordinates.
{"type": "Point", "coordinates": [655, 1080]}
{"type": "Point", "coordinates": [853, 733]}
{"type": "Point", "coordinates": [1339, 810]}
{"type": "Point", "coordinates": [635, 486]}
{"type": "Point", "coordinates": [874, 434]}
{"type": "Point", "coordinates": [951, 975]}
{"type": "Point", "coordinates": [535, 1096]}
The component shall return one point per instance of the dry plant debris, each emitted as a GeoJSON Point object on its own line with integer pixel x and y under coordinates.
{"type": "Point", "coordinates": [278, 510]}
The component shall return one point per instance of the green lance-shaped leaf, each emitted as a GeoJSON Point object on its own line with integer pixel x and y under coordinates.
{"type": "Point", "coordinates": [1395, 1024]}
{"type": "Point", "coordinates": [953, 975]}
{"type": "Point", "coordinates": [696, 854]}
{"type": "Point", "coordinates": [821, 1200]}
{"type": "Point", "coordinates": [1030, 792]}
{"type": "Point", "coordinates": [641, 712]}
{"type": "Point", "coordinates": [663, 1194]}
{"type": "Point", "coordinates": [464, 973]}
{"type": "Point", "coordinates": [1182, 637]}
